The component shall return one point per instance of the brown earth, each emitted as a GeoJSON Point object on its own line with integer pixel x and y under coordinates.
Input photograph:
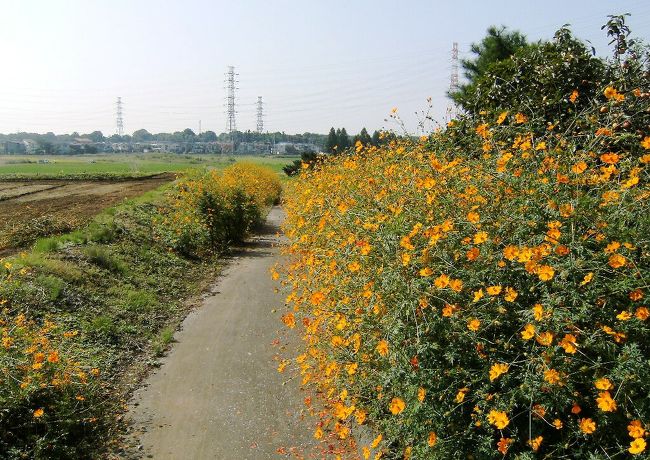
{"type": "Point", "coordinates": [69, 202]}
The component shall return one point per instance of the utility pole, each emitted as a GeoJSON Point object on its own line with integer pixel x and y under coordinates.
{"type": "Point", "coordinates": [199, 127]}
{"type": "Point", "coordinates": [120, 120]}
{"type": "Point", "coordinates": [260, 115]}
{"type": "Point", "coordinates": [453, 81]}
{"type": "Point", "coordinates": [231, 124]}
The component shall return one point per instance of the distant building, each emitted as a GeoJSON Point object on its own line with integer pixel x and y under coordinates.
{"type": "Point", "coordinates": [31, 147]}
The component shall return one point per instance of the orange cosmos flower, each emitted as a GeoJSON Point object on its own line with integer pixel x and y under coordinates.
{"type": "Point", "coordinates": [433, 439]}
{"type": "Point", "coordinates": [609, 158]}
{"type": "Point", "coordinates": [587, 425]}
{"type": "Point", "coordinates": [473, 254]}
{"type": "Point", "coordinates": [545, 339]}
{"type": "Point", "coordinates": [497, 370]}
{"type": "Point", "coordinates": [642, 313]}
{"type": "Point", "coordinates": [536, 443]}
{"type": "Point", "coordinates": [503, 445]}
{"type": "Point", "coordinates": [635, 429]}
{"type": "Point", "coordinates": [545, 272]}
{"type": "Point", "coordinates": [552, 376]}
{"type": "Point", "coordinates": [382, 348]}
{"type": "Point", "coordinates": [473, 324]}
{"type": "Point", "coordinates": [605, 402]}
{"type": "Point", "coordinates": [498, 418]}
{"type": "Point", "coordinates": [480, 237]}
{"type": "Point", "coordinates": [494, 290]}
{"type": "Point", "coordinates": [574, 96]}
{"type": "Point", "coordinates": [569, 343]}
{"type": "Point", "coordinates": [528, 332]}
{"type": "Point", "coordinates": [38, 413]}
{"type": "Point", "coordinates": [396, 406]}
{"type": "Point", "coordinates": [616, 261]}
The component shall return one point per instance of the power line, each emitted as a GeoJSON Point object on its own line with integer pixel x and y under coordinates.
{"type": "Point", "coordinates": [453, 81]}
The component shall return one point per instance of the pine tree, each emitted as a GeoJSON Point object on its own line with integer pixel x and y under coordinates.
{"type": "Point", "coordinates": [331, 142]}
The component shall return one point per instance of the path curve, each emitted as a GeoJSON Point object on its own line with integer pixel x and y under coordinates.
{"type": "Point", "coordinates": [218, 394]}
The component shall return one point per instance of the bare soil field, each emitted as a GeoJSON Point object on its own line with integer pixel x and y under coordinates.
{"type": "Point", "coordinates": [66, 204]}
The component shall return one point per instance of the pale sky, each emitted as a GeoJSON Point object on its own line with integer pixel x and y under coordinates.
{"type": "Point", "coordinates": [315, 63]}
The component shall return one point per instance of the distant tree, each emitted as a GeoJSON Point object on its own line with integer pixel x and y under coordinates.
{"type": "Point", "coordinates": [291, 150]}
{"type": "Point", "coordinates": [344, 140]}
{"type": "Point", "coordinates": [142, 135]}
{"type": "Point", "coordinates": [208, 136]}
{"type": "Point", "coordinates": [95, 136]}
{"type": "Point", "coordinates": [306, 158]}
{"type": "Point", "coordinates": [75, 134]}
{"type": "Point", "coordinates": [364, 137]}
{"type": "Point", "coordinates": [498, 45]}
{"type": "Point", "coordinates": [376, 138]}
{"type": "Point", "coordinates": [115, 138]}
{"type": "Point", "coordinates": [331, 142]}
{"type": "Point", "coordinates": [189, 134]}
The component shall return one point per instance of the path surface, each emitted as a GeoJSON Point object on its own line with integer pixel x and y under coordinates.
{"type": "Point", "coordinates": [218, 394]}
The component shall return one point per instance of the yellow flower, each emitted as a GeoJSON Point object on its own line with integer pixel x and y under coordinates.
{"type": "Point", "coordinates": [421, 394]}
{"type": "Point", "coordinates": [354, 266]}
{"type": "Point", "coordinates": [376, 441]}
{"type": "Point", "coordinates": [510, 252]}
{"type": "Point", "coordinates": [318, 434]}
{"type": "Point", "coordinates": [498, 418]}
{"type": "Point", "coordinates": [473, 217]}
{"type": "Point", "coordinates": [574, 96]}
{"type": "Point", "coordinates": [528, 332]}
{"type": "Point", "coordinates": [645, 143]}
{"type": "Point", "coordinates": [557, 423]}
{"type": "Point", "coordinates": [579, 167]}
{"type": "Point", "coordinates": [538, 312]}
{"type": "Point", "coordinates": [637, 446]}
{"type": "Point", "coordinates": [478, 295]}
{"type": "Point", "coordinates": [494, 290]}
{"type": "Point", "coordinates": [624, 315]}
{"type": "Point", "coordinates": [587, 425]}
{"type": "Point", "coordinates": [612, 93]}
{"type": "Point", "coordinates": [497, 370]}
{"type": "Point", "coordinates": [426, 272]}
{"type": "Point", "coordinates": [473, 324]}
{"type": "Point", "coordinates": [502, 117]}
{"type": "Point", "coordinates": [605, 402]}
{"type": "Point", "coordinates": [382, 348]}
{"type": "Point", "coordinates": [545, 272]}
{"type": "Point", "coordinates": [433, 439]}
{"type": "Point", "coordinates": [456, 285]}
{"type": "Point", "coordinates": [396, 406]}
{"type": "Point", "coordinates": [39, 413]}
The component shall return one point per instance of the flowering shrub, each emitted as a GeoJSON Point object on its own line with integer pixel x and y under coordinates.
{"type": "Point", "coordinates": [45, 392]}
{"type": "Point", "coordinates": [209, 210]}
{"type": "Point", "coordinates": [482, 291]}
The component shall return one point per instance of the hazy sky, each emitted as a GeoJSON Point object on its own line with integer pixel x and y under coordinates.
{"type": "Point", "coordinates": [315, 63]}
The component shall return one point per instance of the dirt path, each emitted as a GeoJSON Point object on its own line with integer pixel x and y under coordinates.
{"type": "Point", "coordinates": [217, 394]}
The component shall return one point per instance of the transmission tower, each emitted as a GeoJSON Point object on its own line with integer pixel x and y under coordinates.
{"type": "Point", "coordinates": [260, 115]}
{"type": "Point", "coordinates": [120, 120]}
{"type": "Point", "coordinates": [453, 81]}
{"type": "Point", "coordinates": [231, 124]}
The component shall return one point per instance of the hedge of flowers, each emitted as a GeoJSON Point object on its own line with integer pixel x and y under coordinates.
{"type": "Point", "coordinates": [482, 291]}
{"type": "Point", "coordinates": [209, 210]}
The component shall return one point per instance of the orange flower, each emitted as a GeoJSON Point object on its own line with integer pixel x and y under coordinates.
{"type": "Point", "coordinates": [605, 402]}
{"type": "Point", "coordinates": [510, 295]}
{"type": "Point", "coordinates": [569, 343]}
{"type": "Point", "coordinates": [290, 320]}
{"type": "Point", "coordinates": [396, 406]}
{"type": "Point", "coordinates": [609, 158]}
{"type": "Point", "coordinates": [603, 384]}
{"type": "Point", "coordinates": [645, 143]}
{"type": "Point", "coordinates": [426, 272]}
{"type": "Point", "coordinates": [616, 261]}
{"type": "Point", "coordinates": [536, 443]}
{"type": "Point", "coordinates": [520, 118]}
{"type": "Point", "coordinates": [494, 290]}
{"type": "Point", "coordinates": [587, 425]}
{"type": "Point", "coordinates": [552, 376]}
{"type": "Point", "coordinates": [421, 394]}
{"type": "Point", "coordinates": [545, 338]}
{"type": "Point", "coordinates": [503, 445]}
{"type": "Point", "coordinates": [442, 281]}
{"type": "Point", "coordinates": [502, 117]}
{"type": "Point", "coordinates": [382, 348]}
{"type": "Point", "coordinates": [473, 254]}
{"type": "Point", "coordinates": [545, 272]}
{"type": "Point", "coordinates": [498, 418]}
{"type": "Point", "coordinates": [473, 324]}
{"type": "Point", "coordinates": [642, 313]}
{"type": "Point", "coordinates": [38, 413]}
{"type": "Point", "coordinates": [635, 429]}
{"type": "Point", "coordinates": [480, 237]}
{"type": "Point", "coordinates": [636, 295]}
{"type": "Point", "coordinates": [433, 439]}
{"type": "Point", "coordinates": [528, 332]}
{"type": "Point", "coordinates": [497, 370]}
